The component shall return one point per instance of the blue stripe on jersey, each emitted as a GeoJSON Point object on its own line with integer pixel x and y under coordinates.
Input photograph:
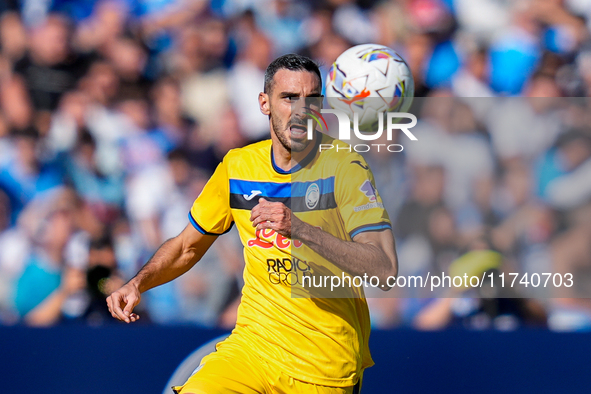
{"type": "Point", "coordinates": [266, 189]}
{"type": "Point", "coordinates": [280, 170]}
{"type": "Point", "coordinates": [370, 227]}
{"type": "Point", "coordinates": [302, 163]}
{"type": "Point", "coordinates": [202, 230]}
{"type": "Point", "coordinates": [196, 225]}
{"type": "Point", "coordinates": [279, 190]}
{"type": "Point", "coordinates": [326, 186]}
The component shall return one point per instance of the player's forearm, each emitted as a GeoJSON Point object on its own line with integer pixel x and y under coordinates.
{"type": "Point", "coordinates": [352, 257]}
{"type": "Point", "coordinates": [169, 262]}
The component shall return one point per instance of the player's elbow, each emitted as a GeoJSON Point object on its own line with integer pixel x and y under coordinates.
{"type": "Point", "coordinates": [388, 277]}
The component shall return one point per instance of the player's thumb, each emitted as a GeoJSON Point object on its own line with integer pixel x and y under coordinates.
{"type": "Point", "coordinates": [131, 302]}
{"type": "Point", "coordinates": [262, 200]}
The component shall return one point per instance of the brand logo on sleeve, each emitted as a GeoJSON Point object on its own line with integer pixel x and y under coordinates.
{"type": "Point", "coordinates": [360, 164]}
{"type": "Point", "coordinates": [369, 191]}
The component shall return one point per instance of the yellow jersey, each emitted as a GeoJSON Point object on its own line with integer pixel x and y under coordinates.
{"type": "Point", "coordinates": [323, 341]}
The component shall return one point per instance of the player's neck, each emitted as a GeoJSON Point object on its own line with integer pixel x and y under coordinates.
{"type": "Point", "coordinates": [286, 159]}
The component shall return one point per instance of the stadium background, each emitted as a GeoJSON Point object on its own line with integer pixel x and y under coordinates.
{"type": "Point", "coordinates": [114, 113]}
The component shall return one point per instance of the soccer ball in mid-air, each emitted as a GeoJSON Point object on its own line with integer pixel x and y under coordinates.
{"type": "Point", "coordinates": [369, 79]}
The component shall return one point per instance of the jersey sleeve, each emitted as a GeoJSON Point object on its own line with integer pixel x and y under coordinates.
{"type": "Point", "coordinates": [211, 214]}
{"type": "Point", "coordinates": [359, 202]}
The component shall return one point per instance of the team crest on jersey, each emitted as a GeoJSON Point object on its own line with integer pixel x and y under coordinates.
{"type": "Point", "coordinates": [312, 196]}
{"type": "Point", "coordinates": [369, 191]}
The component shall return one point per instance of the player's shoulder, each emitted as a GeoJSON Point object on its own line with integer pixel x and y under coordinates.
{"type": "Point", "coordinates": [255, 151]}
{"type": "Point", "coordinates": [340, 153]}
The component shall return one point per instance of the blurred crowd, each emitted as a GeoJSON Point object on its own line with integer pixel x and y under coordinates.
{"type": "Point", "coordinates": [492, 186]}
{"type": "Point", "coordinates": [113, 114]}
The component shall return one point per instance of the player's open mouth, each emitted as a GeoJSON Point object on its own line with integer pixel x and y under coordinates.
{"type": "Point", "coordinates": [297, 130]}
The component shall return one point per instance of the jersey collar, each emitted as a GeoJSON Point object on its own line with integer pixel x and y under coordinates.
{"type": "Point", "coordinates": [302, 163]}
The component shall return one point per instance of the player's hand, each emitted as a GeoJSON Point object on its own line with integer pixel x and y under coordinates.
{"type": "Point", "coordinates": [122, 302]}
{"type": "Point", "coordinates": [272, 215]}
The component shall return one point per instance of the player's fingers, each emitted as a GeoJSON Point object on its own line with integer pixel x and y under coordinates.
{"type": "Point", "coordinates": [259, 219]}
{"type": "Point", "coordinates": [134, 317]}
{"type": "Point", "coordinates": [254, 217]}
{"type": "Point", "coordinates": [277, 214]}
{"type": "Point", "coordinates": [116, 311]}
{"type": "Point", "coordinates": [273, 215]}
{"type": "Point", "coordinates": [255, 212]}
{"type": "Point", "coordinates": [131, 301]}
{"type": "Point", "coordinates": [266, 224]}
{"type": "Point", "coordinates": [264, 214]}
{"type": "Point", "coordinates": [264, 204]}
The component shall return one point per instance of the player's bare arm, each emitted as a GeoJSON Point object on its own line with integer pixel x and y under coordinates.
{"type": "Point", "coordinates": [175, 257]}
{"type": "Point", "coordinates": [372, 253]}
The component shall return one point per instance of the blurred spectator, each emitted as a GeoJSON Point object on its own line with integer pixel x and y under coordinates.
{"type": "Point", "coordinates": [483, 18]}
{"type": "Point", "coordinates": [158, 18]}
{"type": "Point", "coordinates": [104, 191]}
{"type": "Point", "coordinates": [15, 102]}
{"type": "Point", "coordinates": [515, 54]}
{"type": "Point", "coordinates": [68, 121]}
{"type": "Point", "coordinates": [5, 142]}
{"type": "Point", "coordinates": [148, 183]}
{"type": "Point", "coordinates": [565, 171]}
{"type": "Point", "coordinates": [101, 278]}
{"type": "Point", "coordinates": [46, 282]}
{"type": "Point", "coordinates": [480, 308]}
{"type": "Point", "coordinates": [10, 265]}
{"type": "Point", "coordinates": [13, 38]}
{"type": "Point", "coordinates": [326, 50]}
{"type": "Point", "coordinates": [208, 291]}
{"type": "Point", "coordinates": [280, 20]}
{"type": "Point", "coordinates": [526, 128]}
{"type": "Point", "coordinates": [391, 176]}
{"type": "Point", "coordinates": [129, 61]}
{"type": "Point", "coordinates": [472, 79]}
{"type": "Point", "coordinates": [102, 27]}
{"type": "Point", "coordinates": [417, 53]}
{"type": "Point", "coordinates": [204, 89]}
{"type": "Point", "coordinates": [245, 81]}
{"type": "Point", "coordinates": [172, 127]}
{"type": "Point", "coordinates": [25, 176]}
{"type": "Point", "coordinates": [412, 223]}
{"type": "Point", "coordinates": [50, 68]}
{"type": "Point", "coordinates": [352, 22]}
{"type": "Point", "coordinates": [527, 228]}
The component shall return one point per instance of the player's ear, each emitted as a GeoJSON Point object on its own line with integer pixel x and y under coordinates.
{"type": "Point", "coordinates": [264, 103]}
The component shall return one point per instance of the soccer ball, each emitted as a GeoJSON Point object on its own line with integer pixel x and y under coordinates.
{"type": "Point", "coordinates": [367, 80]}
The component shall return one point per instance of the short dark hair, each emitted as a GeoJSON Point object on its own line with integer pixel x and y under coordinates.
{"type": "Point", "coordinates": [291, 62]}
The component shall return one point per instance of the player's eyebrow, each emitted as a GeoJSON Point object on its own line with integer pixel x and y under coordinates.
{"type": "Point", "coordinates": [294, 94]}
{"type": "Point", "coordinates": [289, 94]}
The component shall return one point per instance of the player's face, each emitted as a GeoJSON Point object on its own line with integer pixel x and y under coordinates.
{"type": "Point", "coordinates": [288, 86]}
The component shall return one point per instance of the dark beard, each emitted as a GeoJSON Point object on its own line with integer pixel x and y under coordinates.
{"type": "Point", "coordinates": [289, 144]}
